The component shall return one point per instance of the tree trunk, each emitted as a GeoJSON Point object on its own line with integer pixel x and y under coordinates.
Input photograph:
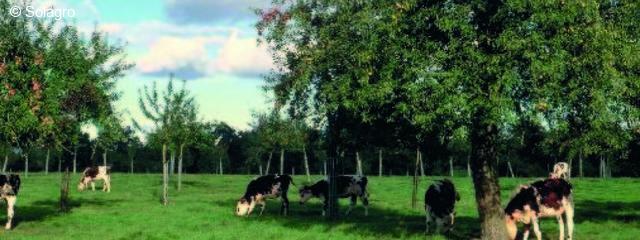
{"type": "Point", "coordinates": [269, 163]}
{"type": "Point", "coordinates": [6, 161]}
{"type": "Point", "coordinates": [75, 158]}
{"type": "Point", "coordinates": [379, 162]}
{"type": "Point", "coordinates": [281, 161]}
{"type": "Point", "coordinates": [64, 192]}
{"type": "Point", "coordinates": [172, 163]}
{"type": "Point", "coordinates": [451, 166]}
{"type": "Point", "coordinates": [60, 164]}
{"type": "Point", "coordinates": [325, 167]}
{"type": "Point", "coordinates": [484, 138]}
{"type": "Point", "coordinates": [421, 165]}
{"type": "Point", "coordinates": [358, 164]}
{"type": "Point", "coordinates": [165, 176]}
{"type": "Point", "coordinates": [414, 192]}
{"type": "Point", "coordinates": [220, 171]}
{"type": "Point", "coordinates": [580, 159]}
{"type": "Point", "coordinates": [104, 158]}
{"type": "Point", "coordinates": [131, 165]}
{"type": "Point", "coordinates": [306, 163]}
{"type": "Point", "coordinates": [510, 169]}
{"type": "Point", "coordinates": [180, 167]}
{"type": "Point", "coordinates": [601, 168]}
{"type": "Point", "coordinates": [469, 166]}
{"type": "Point", "coordinates": [260, 168]}
{"type": "Point", "coordinates": [26, 164]}
{"type": "Point", "coordinates": [46, 162]}
{"type": "Point", "coordinates": [293, 171]}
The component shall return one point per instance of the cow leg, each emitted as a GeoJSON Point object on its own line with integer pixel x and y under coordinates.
{"type": "Point", "coordinates": [262, 205]}
{"type": "Point", "coordinates": [285, 204]}
{"type": "Point", "coordinates": [325, 205]}
{"type": "Point", "coordinates": [354, 200]}
{"type": "Point", "coordinates": [11, 201]}
{"type": "Point", "coordinates": [536, 228]}
{"type": "Point", "coordinates": [512, 228]}
{"type": "Point", "coordinates": [107, 183]}
{"type": "Point", "coordinates": [560, 226]}
{"type": "Point", "coordinates": [428, 221]}
{"type": "Point", "coordinates": [525, 233]}
{"type": "Point", "coordinates": [569, 214]}
{"type": "Point", "coordinates": [365, 202]}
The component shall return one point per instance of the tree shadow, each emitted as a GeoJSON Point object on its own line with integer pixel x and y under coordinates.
{"type": "Point", "coordinates": [383, 223]}
{"type": "Point", "coordinates": [195, 184]}
{"type": "Point", "coordinates": [595, 211]}
{"type": "Point", "coordinates": [39, 210]}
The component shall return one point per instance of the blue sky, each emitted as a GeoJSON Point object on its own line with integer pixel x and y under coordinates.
{"type": "Point", "coordinates": [209, 43]}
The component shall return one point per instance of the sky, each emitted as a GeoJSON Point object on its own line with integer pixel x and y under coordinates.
{"type": "Point", "coordinates": [211, 44]}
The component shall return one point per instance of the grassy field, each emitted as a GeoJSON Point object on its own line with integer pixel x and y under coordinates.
{"type": "Point", "coordinates": [204, 210]}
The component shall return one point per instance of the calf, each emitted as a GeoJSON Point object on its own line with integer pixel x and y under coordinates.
{"type": "Point", "coordinates": [561, 170]}
{"type": "Point", "coordinates": [91, 174]}
{"type": "Point", "coordinates": [261, 188]}
{"type": "Point", "coordinates": [346, 187]}
{"type": "Point", "coordinates": [439, 204]}
{"type": "Point", "coordinates": [545, 198]}
{"type": "Point", "coordinates": [9, 186]}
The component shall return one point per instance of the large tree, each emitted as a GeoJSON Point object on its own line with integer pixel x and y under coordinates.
{"type": "Point", "coordinates": [445, 65]}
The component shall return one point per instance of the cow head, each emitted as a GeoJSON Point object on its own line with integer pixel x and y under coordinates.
{"type": "Point", "coordinates": [245, 207]}
{"type": "Point", "coordinates": [305, 194]}
{"type": "Point", "coordinates": [9, 185]}
{"type": "Point", "coordinates": [448, 221]}
{"type": "Point", "coordinates": [84, 181]}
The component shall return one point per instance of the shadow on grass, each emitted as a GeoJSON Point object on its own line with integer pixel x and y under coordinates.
{"type": "Point", "coordinates": [39, 210]}
{"type": "Point", "coordinates": [594, 211]}
{"type": "Point", "coordinates": [382, 223]}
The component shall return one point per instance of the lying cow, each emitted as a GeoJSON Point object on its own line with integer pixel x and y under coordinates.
{"type": "Point", "coordinates": [91, 174]}
{"type": "Point", "coordinates": [9, 186]}
{"type": "Point", "coordinates": [545, 198]}
{"type": "Point", "coordinates": [346, 187]}
{"type": "Point", "coordinates": [439, 204]}
{"type": "Point", "coordinates": [561, 170]}
{"type": "Point", "coordinates": [261, 188]}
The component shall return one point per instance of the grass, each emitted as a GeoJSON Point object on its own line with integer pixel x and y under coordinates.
{"type": "Point", "coordinates": [204, 210]}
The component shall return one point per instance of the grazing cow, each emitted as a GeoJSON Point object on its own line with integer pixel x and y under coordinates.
{"type": "Point", "coordinates": [439, 204]}
{"type": "Point", "coordinates": [545, 198]}
{"type": "Point", "coordinates": [346, 187]}
{"type": "Point", "coordinates": [91, 174]}
{"type": "Point", "coordinates": [9, 186]}
{"type": "Point", "coordinates": [261, 188]}
{"type": "Point", "coordinates": [561, 170]}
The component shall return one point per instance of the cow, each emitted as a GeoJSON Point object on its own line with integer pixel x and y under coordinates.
{"type": "Point", "coordinates": [551, 197]}
{"type": "Point", "coordinates": [91, 174]}
{"type": "Point", "coordinates": [439, 204]}
{"type": "Point", "coordinates": [561, 170]}
{"type": "Point", "coordinates": [262, 188]}
{"type": "Point", "coordinates": [9, 186]}
{"type": "Point", "coordinates": [346, 187]}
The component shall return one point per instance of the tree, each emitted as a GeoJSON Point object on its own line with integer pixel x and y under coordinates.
{"type": "Point", "coordinates": [446, 65]}
{"type": "Point", "coordinates": [164, 109]}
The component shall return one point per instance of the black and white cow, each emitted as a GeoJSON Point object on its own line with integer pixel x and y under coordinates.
{"type": "Point", "coordinates": [545, 198]}
{"type": "Point", "coordinates": [261, 188]}
{"type": "Point", "coordinates": [561, 170]}
{"type": "Point", "coordinates": [346, 187]}
{"type": "Point", "coordinates": [9, 186]}
{"type": "Point", "coordinates": [439, 204]}
{"type": "Point", "coordinates": [91, 174]}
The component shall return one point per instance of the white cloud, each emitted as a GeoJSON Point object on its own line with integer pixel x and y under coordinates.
{"type": "Point", "coordinates": [243, 56]}
{"type": "Point", "coordinates": [183, 56]}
